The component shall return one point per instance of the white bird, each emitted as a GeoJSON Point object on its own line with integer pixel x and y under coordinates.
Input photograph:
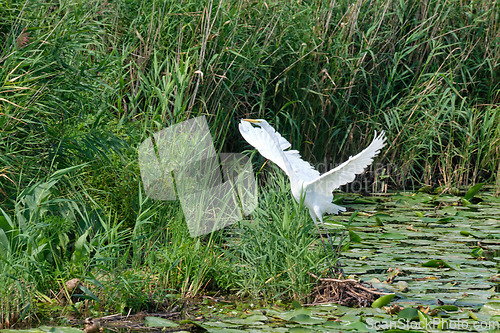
{"type": "Point", "coordinates": [304, 179]}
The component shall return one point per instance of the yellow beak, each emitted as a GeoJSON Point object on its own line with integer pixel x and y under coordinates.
{"type": "Point", "coordinates": [252, 120]}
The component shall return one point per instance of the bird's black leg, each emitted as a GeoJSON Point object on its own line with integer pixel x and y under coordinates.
{"type": "Point", "coordinates": [330, 266]}
{"type": "Point", "coordinates": [336, 269]}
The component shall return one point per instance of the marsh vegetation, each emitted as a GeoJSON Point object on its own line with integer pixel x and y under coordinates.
{"type": "Point", "coordinates": [85, 82]}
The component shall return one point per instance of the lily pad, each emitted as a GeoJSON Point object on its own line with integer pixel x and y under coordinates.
{"type": "Point", "coordinates": [436, 263]}
{"type": "Point", "coordinates": [158, 322]}
{"type": "Point", "coordinates": [409, 314]}
{"type": "Point", "coordinates": [447, 307]}
{"type": "Point", "coordinates": [306, 319]}
{"type": "Point", "coordinates": [354, 237]}
{"type": "Point", "coordinates": [491, 308]}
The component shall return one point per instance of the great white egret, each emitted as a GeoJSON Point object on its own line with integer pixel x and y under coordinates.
{"type": "Point", "coordinates": [305, 181]}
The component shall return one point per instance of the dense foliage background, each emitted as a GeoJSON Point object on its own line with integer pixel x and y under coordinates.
{"type": "Point", "coordinates": [83, 83]}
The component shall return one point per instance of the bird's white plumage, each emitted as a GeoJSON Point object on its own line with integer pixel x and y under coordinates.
{"type": "Point", "coordinates": [272, 146]}
{"type": "Point", "coordinates": [304, 179]}
{"type": "Point", "coordinates": [347, 171]}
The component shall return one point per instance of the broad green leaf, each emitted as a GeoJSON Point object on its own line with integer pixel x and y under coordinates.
{"type": "Point", "coordinates": [491, 308]}
{"type": "Point", "coordinates": [473, 191]}
{"type": "Point", "coordinates": [358, 326]}
{"type": "Point", "coordinates": [392, 235]}
{"type": "Point", "coordinates": [30, 330]}
{"type": "Point", "coordinates": [60, 329]}
{"type": "Point", "coordinates": [448, 307]}
{"type": "Point", "coordinates": [80, 248]}
{"type": "Point", "coordinates": [4, 224]}
{"type": "Point", "coordinates": [354, 237]}
{"type": "Point", "coordinates": [300, 330]}
{"type": "Point", "coordinates": [159, 322]}
{"type": "Point", "coordinates": [383, 300]}
{"type": "Point", "coordinates": [87, 294]}
{"type": "Point", "coordinates": [256, 319]}
{"type": "Point", "coordinates": [306, 319]}
{"type": "Point", "coordinates": [477, 252]}
{"type": "Point", "coordinates": [466, 202]}
{"type": "Point", "coordinates": [436, 263]}
{"type": "Point", "coordinates": [408, 313]}
{"type": "Point", "coordinates": [4, 245]}
{"type": "Point", "coordinates": [361, 200]}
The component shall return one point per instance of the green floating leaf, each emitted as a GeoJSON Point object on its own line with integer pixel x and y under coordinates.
{"type": "Point", "coordinates": [473, 191]}
{"type": "Point", "coordinates": [296, 304]}
{"type": "Point", "coordinates": [392, 235]}
{"type": "Point", "coordinates": [477, 252]}
{"type": "Point", "coordinates": [306, 319]}
{"type": "Point", "coordinates": [448, 307]}
{"type": "Point", "coordinates": [408, 313]}
{"type": "Point", "coordinates": [429, 219]}
{"type": "Point", "coordinates": [436, 263]}
{"type": "Point", "coordinates": [256, 319]}
{"type": "Point", "coordinates": [383, 300]}
{"type": "Point", "coordinates": [358, 326]}
{"type": "Point", "coordinates": [31, 330]}
{"type": "Point", "coordinates": [159, 322]}
{"type": "Point", "coordinates": [333, 324]}
{"type": "Point", "coordinates": [364, 201]}
{"type": "Point", "coordinates": [466, 233]}
{"type": "Point", "coordinates": [354, 237]}
{"type": "Point", "coordinates": [491, 308]}
{"type": "Point", "coordinates": [300, 330]}
{"type": "Point", "coordinates": [225, 330]}
{"type": "Point", "coordinates": [59, 329]}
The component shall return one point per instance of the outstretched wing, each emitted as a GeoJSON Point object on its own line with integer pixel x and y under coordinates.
{"type": "Point", "coordinates": [272, 145]}
{"type": "Point", "coordinates": [347, 171]}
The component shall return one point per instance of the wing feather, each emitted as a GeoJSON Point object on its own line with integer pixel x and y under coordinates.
{"type": "Point", "coordinates": [267, 147]}
{"type": "Point", "coordinates": [347, 171]}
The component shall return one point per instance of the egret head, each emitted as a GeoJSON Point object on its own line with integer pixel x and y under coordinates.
{"type": "Point", "coordinates": [258, 122]}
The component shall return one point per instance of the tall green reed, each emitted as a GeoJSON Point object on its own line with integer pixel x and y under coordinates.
{"type": "Point", "coordinates": [274, 251]}
{"type": "Point", "coordinates": [87, 82]}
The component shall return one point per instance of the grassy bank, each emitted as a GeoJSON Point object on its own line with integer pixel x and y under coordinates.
{"type": "Point", "coordinates": [84, 83]}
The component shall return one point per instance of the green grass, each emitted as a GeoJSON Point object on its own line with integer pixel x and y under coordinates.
{"type": "Point", "coordinates": [84, 83]}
